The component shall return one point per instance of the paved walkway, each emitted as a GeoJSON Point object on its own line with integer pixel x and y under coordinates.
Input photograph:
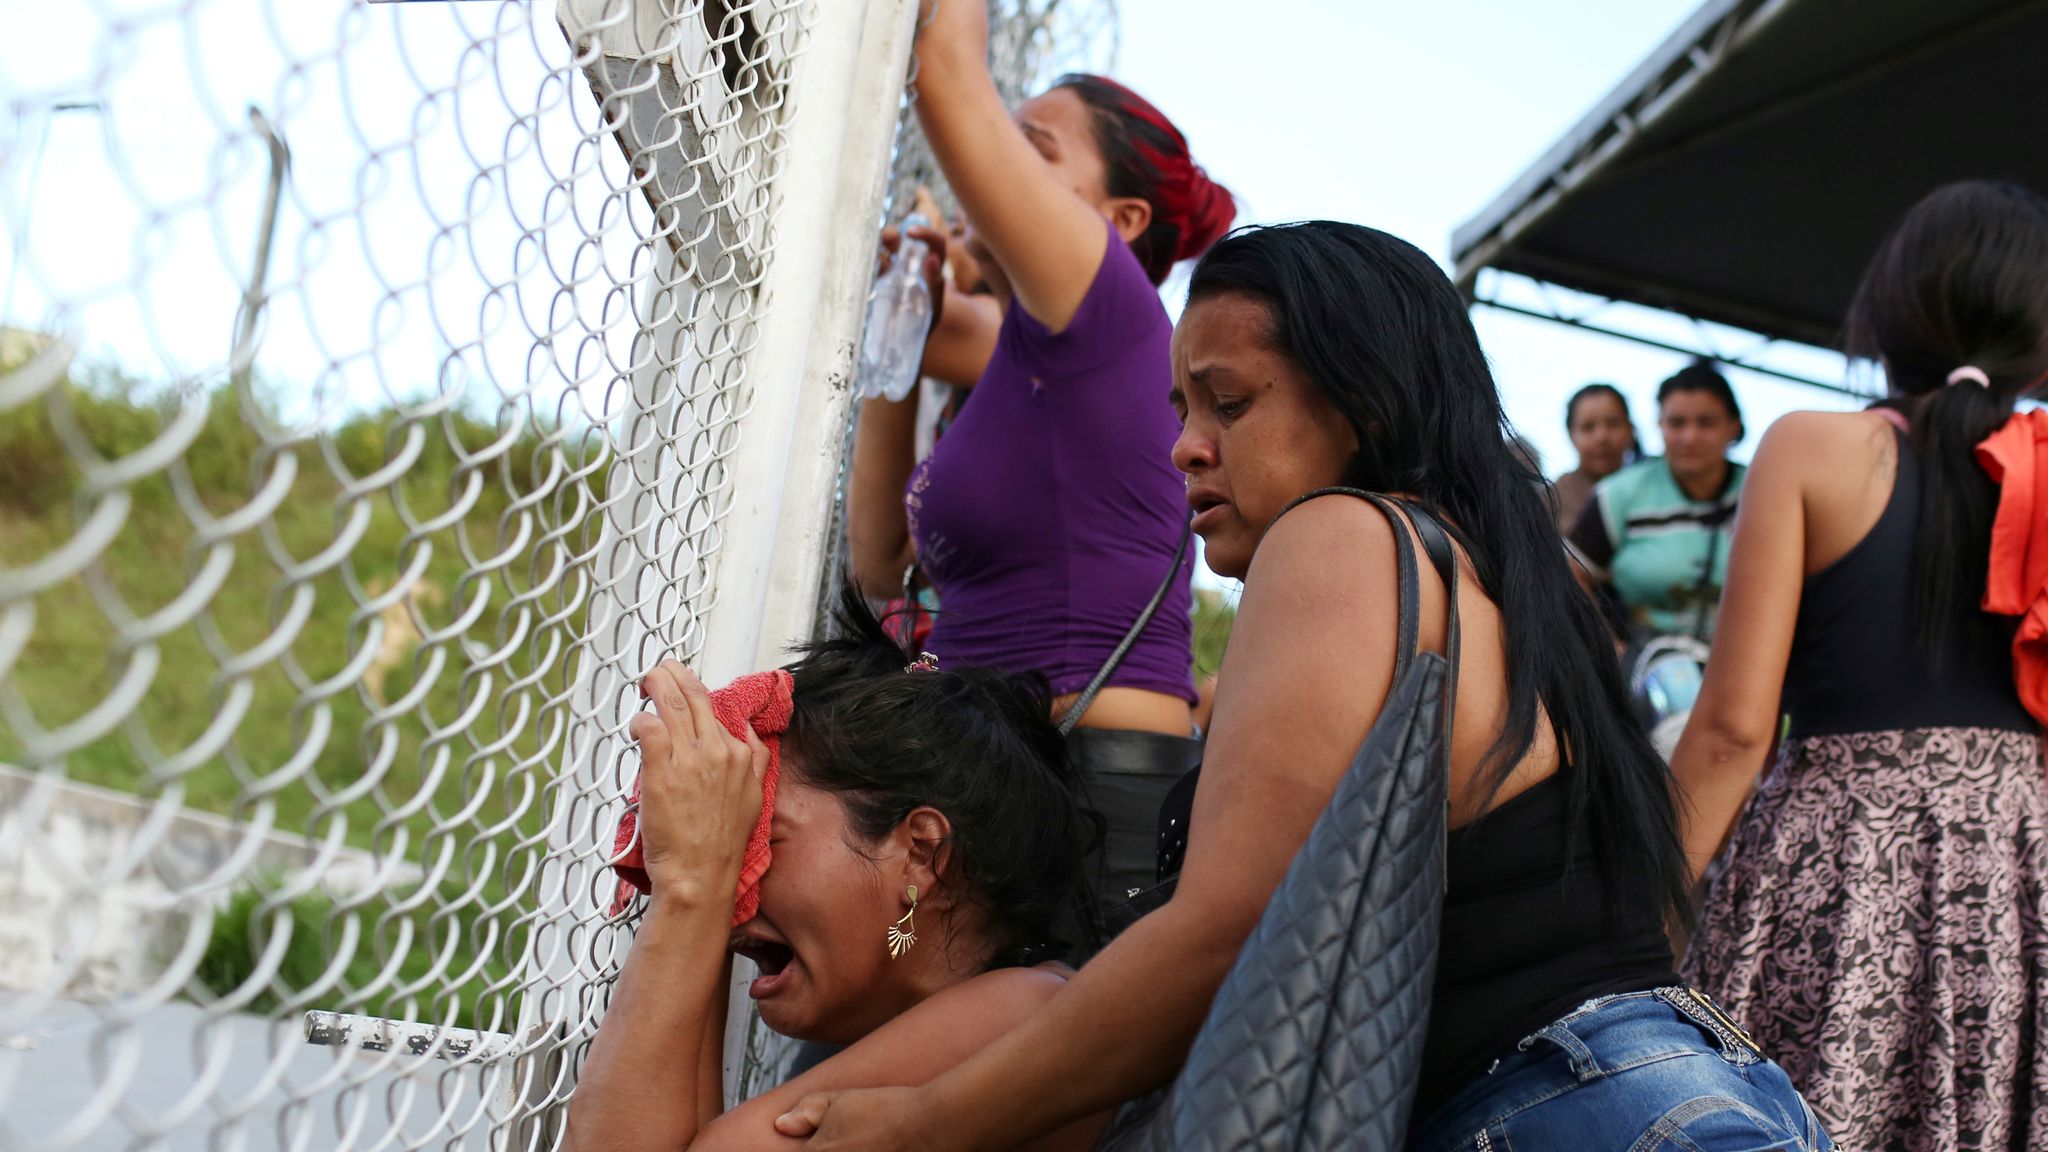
{"type": "Point", "coordinates": [245, 1082]}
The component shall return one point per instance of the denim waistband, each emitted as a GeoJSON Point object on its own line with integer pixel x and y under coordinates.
{"type": "Point", "coordinates": [1599, 1038]}
{"type": "Point", "coordinates": [1598, 1019]}
{"type": "Point", "coordinates": [1666, 1068]}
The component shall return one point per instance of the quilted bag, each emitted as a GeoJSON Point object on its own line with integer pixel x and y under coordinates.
{"type": "Point", "coordinates": [1314, 1041]}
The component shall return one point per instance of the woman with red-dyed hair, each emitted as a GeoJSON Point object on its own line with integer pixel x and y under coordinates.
{"type": "Point", "coordinates": [1049, 517]}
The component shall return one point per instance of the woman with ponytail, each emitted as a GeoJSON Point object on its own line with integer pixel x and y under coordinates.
{"type": "Point", "coordinates": [1049, 518]}
{"type": "Point", "coordinates": [1882, 920]}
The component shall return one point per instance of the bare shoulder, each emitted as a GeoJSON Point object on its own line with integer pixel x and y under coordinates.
{"type": "Point", "coordinates": [1330, 545]}
{"type": "Point", "coordinates": [1022, 989]}
{"type": "Point", "coordinates": [1819, 451]}
{"type": "Point", "coordinates": [933, 1036]}
{"type": "Point", "coordinates": [1798, 434]}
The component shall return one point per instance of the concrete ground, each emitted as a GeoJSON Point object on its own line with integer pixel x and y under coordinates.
{"type": "Point", "coordinates": [173, 1083]}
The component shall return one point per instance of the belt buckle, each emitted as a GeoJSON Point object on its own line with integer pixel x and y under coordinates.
{"type": "Point", "coordinates": [1713, 1010]}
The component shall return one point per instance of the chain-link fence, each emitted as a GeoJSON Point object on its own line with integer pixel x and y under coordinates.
{"type": "Point", "coordinates": [382, 389]}
{"type": "Point", "coordinates": [1031, 43]}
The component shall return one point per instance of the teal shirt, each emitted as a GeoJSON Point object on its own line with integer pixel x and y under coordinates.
{"type": "Point", "coordinates": [1651, 542]}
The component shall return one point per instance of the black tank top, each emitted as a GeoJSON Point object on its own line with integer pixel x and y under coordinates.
{"type": "Point", "coordinates": [1527, 935]}
{"type": "Point", "coordinates": [1856, 664]}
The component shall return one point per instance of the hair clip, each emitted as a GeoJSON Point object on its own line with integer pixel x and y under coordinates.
{"type": "Point", "coordinates": [925, 662]}
{"type": "Point", "coordinates": [1970, 373]}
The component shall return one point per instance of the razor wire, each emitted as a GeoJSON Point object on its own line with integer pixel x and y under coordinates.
{"type": "Point", "coordinates": [370, 377]}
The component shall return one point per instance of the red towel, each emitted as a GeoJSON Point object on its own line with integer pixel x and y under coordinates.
{"type": "Point", "coordinates": [2016, 456]}
{"type": "Point", "coordinates": [762, 700]}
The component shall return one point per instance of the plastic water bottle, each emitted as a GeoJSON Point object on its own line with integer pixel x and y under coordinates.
{"type": "Point", "coordinates": [899, 318]}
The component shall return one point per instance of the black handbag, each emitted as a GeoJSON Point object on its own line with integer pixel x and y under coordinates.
{"type": "Point", "coordinates": [1314, 1042]}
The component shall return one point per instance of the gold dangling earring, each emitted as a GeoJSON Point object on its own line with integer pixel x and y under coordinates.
{"type": "Point", "coordinates": [903, 933]}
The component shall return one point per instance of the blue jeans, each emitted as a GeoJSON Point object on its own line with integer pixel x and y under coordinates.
{"type": "Point", "coordinates": [1663, 1070]}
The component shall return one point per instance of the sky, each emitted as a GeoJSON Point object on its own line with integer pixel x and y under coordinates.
{"type": "Point", "coordinates": [1406, 116]}
{"type": "Point", "coordinates": [1411, 117]}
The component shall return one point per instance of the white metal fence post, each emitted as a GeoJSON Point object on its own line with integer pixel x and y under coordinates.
{"type": "Point", "coordinates": [777, 537]}
{"type": "Point", "coordinates": [776, 490]}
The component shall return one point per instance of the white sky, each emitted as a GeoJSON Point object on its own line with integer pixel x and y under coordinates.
{"type": "Point", "coordinates": [1411, 117]}
{"type": "Point", "coordinates": [1406, 116]}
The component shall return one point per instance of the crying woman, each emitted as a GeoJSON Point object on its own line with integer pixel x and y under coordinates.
{"type": "Point", "coordinates": [925, 837]}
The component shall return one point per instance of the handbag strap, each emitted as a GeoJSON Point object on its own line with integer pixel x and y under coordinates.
{"type": "Point", "coordinates": [1116, 655]}
{"type": "Point", "coordinates": [1436, 540]}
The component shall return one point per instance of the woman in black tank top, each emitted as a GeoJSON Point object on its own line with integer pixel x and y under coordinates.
{"type": "Point", "coordinates": [1317, 355]}
{"type": "Point", "coordinates": [1881, 921]}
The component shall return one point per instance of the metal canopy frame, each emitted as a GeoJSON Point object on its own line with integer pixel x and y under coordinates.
{"type": "Point", "coordinates": [1520, 295]}
{"type": "Point", "coordinates": [1671, 71]}
{"type": "Point", "coordinates": [1606, 142]}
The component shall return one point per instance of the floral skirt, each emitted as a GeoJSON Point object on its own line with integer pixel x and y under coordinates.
{"type": "Point", "coordinates": [1881, 928]}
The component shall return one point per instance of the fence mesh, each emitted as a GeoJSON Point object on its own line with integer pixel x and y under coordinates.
{"type": "Point", "coordinates": [1031, 43]}
{"type": "Point", "coordinates": [370, 381]}
{"type": "Point", "coordinates": [370, 375]}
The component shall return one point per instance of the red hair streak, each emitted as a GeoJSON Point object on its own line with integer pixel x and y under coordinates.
{"type": "Point", "coordinates": [1145, 156]}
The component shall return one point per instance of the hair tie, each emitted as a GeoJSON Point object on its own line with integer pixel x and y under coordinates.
{"type": "Point", "coordinates": [1972, 373]}
{"type": "Point", "coordinates": [925, 662]}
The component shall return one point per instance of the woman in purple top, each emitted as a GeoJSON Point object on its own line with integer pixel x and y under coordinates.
{"type": "Point", "coordinates": [1050, 513]}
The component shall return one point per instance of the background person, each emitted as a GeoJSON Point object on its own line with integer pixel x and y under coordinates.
{"type": "Point", "coordinates": [1604, 437]}
{"type": "Point", "coordinates": [1314, 355]}
{"type": "Point", "coordinates": [1883, 918]}
{"type": "Point", "coordinates": [945, 794]}
{"type": "Point", "coordinates": [1049, 515]}
{"type": "Point", "coordinates": [1656, 530]}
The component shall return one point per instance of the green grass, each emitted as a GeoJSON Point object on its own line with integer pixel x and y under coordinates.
{"type": "Point", "coordinates": [74, 659]}
{"type": "Point", "coordinates": [388, 782]}
{"type": "Point", "coordinates": [313, 929]}
{"type": "Point", "coordinates": [1214, 615]}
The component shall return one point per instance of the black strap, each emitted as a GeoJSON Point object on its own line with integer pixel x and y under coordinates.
{"type": "Point", "coordinates": [1436, 540]}
{"type": "Point", "coordinates": [1116, 657]}
{"type": "Point", "coordinates": [1699, 592]}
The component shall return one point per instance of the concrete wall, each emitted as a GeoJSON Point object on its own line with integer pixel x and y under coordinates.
{"type": "Point", "coordinates": [65, 930]}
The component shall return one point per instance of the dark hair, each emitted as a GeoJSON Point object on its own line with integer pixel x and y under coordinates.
{"type": "Point", "coordinates": [1571, 413]}
{"type": "Point", "coordinates": [1962, 281]}
{"type": "Point", "coordinates": [1702, 376]}
{"type": "Point", "coordinates": [1147, 157]}
{"type": "Point", "coordinates": [1571, 406]}
{"type": "Point", "coordinates": [1384, 336]}
{"type": "Point", "coordinates": [973, 743]}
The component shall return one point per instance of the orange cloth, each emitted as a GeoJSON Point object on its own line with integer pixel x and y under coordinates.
{"type": "Point", "coordinates": [2016, 456]}
{"type": "Point", "coordinates": [764, 701]}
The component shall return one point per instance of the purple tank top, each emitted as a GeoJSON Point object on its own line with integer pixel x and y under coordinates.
{"type": "Point", "coordinates": [1049, 513]}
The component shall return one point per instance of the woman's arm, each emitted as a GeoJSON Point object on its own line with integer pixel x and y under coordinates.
{"type": "Point", "coordinates": [885, 438]}
{"type": "Point", "coordinates": [700, 794]}
{"type": "Point", "coordinates": [877, 531]}
{"type": "Point", "coordinates": [931, 1038]}
{"type": "Point", "coordinates": [963, 338]}
{"type": "Point", "coordinates": [645, 1085]}
{"type": "Point", "coordinates": [1047, 239]}
{"type": "Point", "coordinates": [1736, 716]}
{"type": "Point", "coordinates": [1309, 666]}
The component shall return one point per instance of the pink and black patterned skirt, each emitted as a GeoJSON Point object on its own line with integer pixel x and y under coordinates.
{"type": "Point", "coordinates": [1881, 928]}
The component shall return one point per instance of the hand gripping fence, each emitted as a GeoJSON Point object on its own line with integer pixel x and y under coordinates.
{"type": "Point", "coordinates": [383, 389]}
